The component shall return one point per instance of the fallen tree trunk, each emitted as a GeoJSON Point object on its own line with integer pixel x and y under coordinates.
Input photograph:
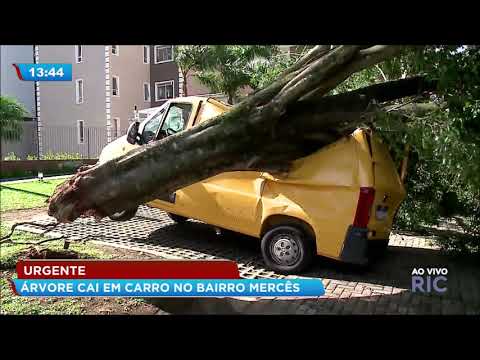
{"type": "Point", "coordinates": [267, 131]}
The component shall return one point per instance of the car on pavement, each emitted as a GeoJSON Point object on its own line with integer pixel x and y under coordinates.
{"type": "Point", "coordinates": [337, 202]}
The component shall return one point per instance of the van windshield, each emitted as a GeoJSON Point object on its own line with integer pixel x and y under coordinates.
{"type": "Point", "coordinates": [150, 126]}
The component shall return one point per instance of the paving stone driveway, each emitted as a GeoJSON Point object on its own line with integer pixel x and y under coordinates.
{"type": "Point", "coordinates": [381, 288]}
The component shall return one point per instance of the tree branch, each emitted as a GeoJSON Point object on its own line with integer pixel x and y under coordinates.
{"type": "Point", "coordinates": [259, 128]}
{"type": "Point", "coordinates": [364, 59]}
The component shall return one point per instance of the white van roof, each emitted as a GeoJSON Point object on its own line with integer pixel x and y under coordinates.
{"type": "Point", "coordinates": [149, 110]}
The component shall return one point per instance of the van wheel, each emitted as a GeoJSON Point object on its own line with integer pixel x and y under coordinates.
{"type": "Point", "coordinates": [177, 218]}
{"type": "Point", "coordinates": [124, 215]}
{"type": "Point", "coordinates": [287, 249]}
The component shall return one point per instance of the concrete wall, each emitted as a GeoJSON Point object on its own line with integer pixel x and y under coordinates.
{"type": "Point", "coordinates": [195, 86]}
{"type": "Point", "coordinates": [28, 144]}
{"type": "Point", "coordinates": [132, 73]}
{"type": "Point", "coordinates": [10, 84]}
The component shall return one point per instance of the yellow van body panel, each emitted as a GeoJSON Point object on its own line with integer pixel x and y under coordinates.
{"type": "Point", "coordinates": [322, 189]}
{"type": "Point", "coordinates": [389, 189]}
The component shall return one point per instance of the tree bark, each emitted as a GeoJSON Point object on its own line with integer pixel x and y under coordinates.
{"type": "Point", "coordinates": [267, 131]}
{"type": "Point", "coordinates": [184, 85]}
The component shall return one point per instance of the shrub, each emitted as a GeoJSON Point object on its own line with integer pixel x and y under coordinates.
{"type": "Point", "coordinates": [61, 156]}
{"type": "Point", "coordinates": [11, 157]}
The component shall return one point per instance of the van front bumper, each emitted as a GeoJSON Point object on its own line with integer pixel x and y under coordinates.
{"type": "Point", "coordinates": [355, 246]}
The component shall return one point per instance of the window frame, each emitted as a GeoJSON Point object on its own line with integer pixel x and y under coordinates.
{"type": "Point", "coordinates": [164, 82]}
{"type": "Point", "coordinates": [118, 85]}
{"type": "Point", "coordinates": [116, 121]}
{"type": "Point", "coordinates": [161, 113]}
{"type": "Point", "coordinates": [148, 54]}
{"type": "Point", "coordinates": [81, 139]}
{"type": "Point", "coordinates": [155, 60]}
{"type": "Point", "coordinates": [78, 47]}
{"type": "Point", "coordinates": [77, 91]}
{"type": "Point", "coordinates": [149, 99]}
{"type": "Point", "coordinates": [166, 112]}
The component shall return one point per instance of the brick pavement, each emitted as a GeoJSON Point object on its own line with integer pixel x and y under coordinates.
{"type": "Point", "coordinates": [381, 288]}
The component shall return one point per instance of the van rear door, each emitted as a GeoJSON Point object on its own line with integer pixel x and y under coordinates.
{"type": "Point", "coordinates": [389, 190]}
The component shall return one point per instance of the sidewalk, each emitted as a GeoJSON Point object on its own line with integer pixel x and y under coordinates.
{"type": "Point", "coordinates": [384, 287]}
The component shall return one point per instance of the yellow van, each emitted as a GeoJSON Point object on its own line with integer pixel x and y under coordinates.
{"type": "Point", "coordinates": [337, 202]}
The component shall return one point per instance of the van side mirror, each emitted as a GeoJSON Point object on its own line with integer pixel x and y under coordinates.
{"type": "Point", "coordinates": [132, 134]}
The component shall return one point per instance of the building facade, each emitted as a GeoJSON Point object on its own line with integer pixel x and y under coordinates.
{"type": "Point", "coordinates": [96, 107]}
{"type": "Point", "coordinates": [165, 76]}
{"type": "Point", "coordinates": [108, 83]}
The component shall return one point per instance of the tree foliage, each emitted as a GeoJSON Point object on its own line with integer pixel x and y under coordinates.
{"type": "Point", "coordinates": [288, 119]}
{"type": "Point", "coordinates": [189, 58]}
{"type": "Point", "coordinates": [326, 92]}
{"type": "Point", "coordinates": [12, 114]}
{"type": "Point", "coordinates": [264, 71]}
{"type": "Point", "coordinates": [228, 68]}
{"type": "Point", "coordinates": [443, 176]}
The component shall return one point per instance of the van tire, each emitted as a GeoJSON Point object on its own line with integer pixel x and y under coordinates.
{"type": "Point", "coordinates": [291, 238]}
{"type": "Point", "coordinates": [124, 215]}
{"type": "Point", "coordinates": [177, 218]}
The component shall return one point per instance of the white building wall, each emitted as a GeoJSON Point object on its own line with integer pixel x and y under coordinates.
{"type": "Point", "coordinates": [132, 74]}
{"type": "Point", "coordinates": [60, 112]}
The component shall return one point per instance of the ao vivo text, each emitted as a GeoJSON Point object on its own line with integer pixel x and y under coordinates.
{"type": "Point", "coordinates": [427, 280]}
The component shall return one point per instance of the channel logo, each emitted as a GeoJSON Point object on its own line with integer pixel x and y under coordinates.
{"type": "Point", "coordinates": [429, 280]}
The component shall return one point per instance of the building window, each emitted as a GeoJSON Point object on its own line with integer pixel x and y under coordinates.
{"type": "Point", "coordinates": [116, 127]}
{"type": "Point", "coordinates": [146, 92]}
{"type": "Point", "coordinates": [115, 86]}
{"type": "Point", "coordinates": [115, 49]}
{"type": "Point", "coordinates": [80, 132]}
{"type": "Point", "coordinates": [79, 91]}
{"type": "Point", "coordinates": [164, 90]}
{"type": "Point", "coordinates": [146, 54]}
{"type": "Point", "coordinates": [78, 54]}
{"type": "Point", "coordinates": [163, 53]}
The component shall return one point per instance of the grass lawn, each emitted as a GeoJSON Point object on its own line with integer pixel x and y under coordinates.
{"type": "Point", "coordinates": [16, 305]}
{"type": "Point", "coordinates": [32, 194]}
{"type": "Point", "coordinates": [26, 195]}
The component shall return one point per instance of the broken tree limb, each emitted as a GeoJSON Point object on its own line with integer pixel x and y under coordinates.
{"type": "Point", "coordinates": [48, 228]}
{"type": "Point", "coordinates": [266, 131]}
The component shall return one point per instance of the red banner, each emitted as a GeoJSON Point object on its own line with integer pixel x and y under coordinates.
{"type": "Point", "coordinates": [127, 269]}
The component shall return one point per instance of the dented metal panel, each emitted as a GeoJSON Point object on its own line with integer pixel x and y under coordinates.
{"type": "Point", "coordinates": [322, 189]}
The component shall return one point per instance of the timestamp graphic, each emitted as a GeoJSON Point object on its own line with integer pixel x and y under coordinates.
{"type": "Point", "coordinates": [44, 72]}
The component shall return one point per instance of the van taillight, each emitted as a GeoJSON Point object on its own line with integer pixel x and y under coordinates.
{"type": "Point", "coordinates": [364, 206]}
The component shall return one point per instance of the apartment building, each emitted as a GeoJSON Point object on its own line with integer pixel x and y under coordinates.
{"type": "Point", "coordinates": [23, 92]}
{"type": "Point", "coordinates": [108, 82]}
{"type": "Point", "coordinates": [165, 77]}
{"type": "Point", "coordinates": [96, 107]}
{"type": "Point", "coordinates": [167, 80]}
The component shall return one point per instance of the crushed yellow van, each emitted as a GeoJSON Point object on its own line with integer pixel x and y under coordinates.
{"type": "Point", "coordinates": [337, 202]}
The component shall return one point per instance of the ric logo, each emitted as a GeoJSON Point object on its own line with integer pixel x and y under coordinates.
{"type": "Point", "coordinates": [429, 280]}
